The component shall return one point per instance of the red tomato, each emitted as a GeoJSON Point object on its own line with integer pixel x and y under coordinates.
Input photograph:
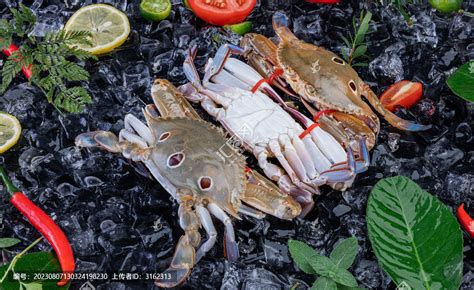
{"type": "Point", "coordinates": [404, 94]}
{"type": "Point", "coordinates": [222, 12]}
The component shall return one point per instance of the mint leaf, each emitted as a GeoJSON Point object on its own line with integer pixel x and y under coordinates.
{"type": "Point", "coordinates": [344, 253]}
{"type": "Point", "coordinates": [461, 82]}
{"type": "Point", "coordinates": [416, 238]}
{"type": "Point", "coordinates": [324, 283]}
{"type": "Point", "coordinates": [344, 277]}
{"type": "Point", "coordinates": [323, 266]}
{"type": "Point", "coordinates": [302, 254]}
{"type": "Point", "coordinates": [8, 242]}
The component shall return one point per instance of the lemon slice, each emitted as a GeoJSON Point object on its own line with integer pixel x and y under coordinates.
{"type": "Point", "coordinates": [109, 27]}
{"type": "Point", "coordinates": [10, 130]}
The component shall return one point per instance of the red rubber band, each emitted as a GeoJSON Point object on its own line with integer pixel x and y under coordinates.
{"type": "Point", "coordinates": [308, 130]}
{"type": "Point", "coordinates": [247, 169]}
{"type": "Point", "coordinates": [320, 113]}
{"type": "Point", "coordinates": [278, 72]}
{"type": "Point", "coordinates": [257, 85]}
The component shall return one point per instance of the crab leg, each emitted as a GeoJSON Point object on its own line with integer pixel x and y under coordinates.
{"type": "Point", "coordinates": [133, 124]}
{"type": "Point", "coordinates": [208, 225]}
{"type": "Point", "coordinates": [247, 210]}
{"type": "Point", "coordinates": [275, 149]}
{"type": "Point", "coordinates": [231, 247]}
{"type": "Point", "coordinates": [265, 196]}
{"type": "Point", "coordinates": [184, 257]}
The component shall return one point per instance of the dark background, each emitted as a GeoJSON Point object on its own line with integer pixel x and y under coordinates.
{"type": "Point", "coordinates": [120, 220]}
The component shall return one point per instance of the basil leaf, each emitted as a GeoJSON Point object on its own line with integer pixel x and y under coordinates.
{"type": "Point", "coordinates": [8, 242]}
{"type": "Point", "coordinates": [416, 238]}
{"type": "Point", "coordinates": [344, 253]}
{"type": "Point", "coordinates": [324, 283]}
{"type": "Point", "coordinates": [461, 82]}
{"type": "Point", "coordinates": [302, 254]}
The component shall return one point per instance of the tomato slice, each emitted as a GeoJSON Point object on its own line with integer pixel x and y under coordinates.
{"type": "Point", "coordinates": [401, 94]}
{"type": "Point", "coordinates": [222, 12]}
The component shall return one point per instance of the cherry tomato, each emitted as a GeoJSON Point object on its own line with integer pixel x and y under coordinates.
{"type": "Point", "coordinates": [404, 94]}
{"type": "Point", "coordinates": [222, 12]}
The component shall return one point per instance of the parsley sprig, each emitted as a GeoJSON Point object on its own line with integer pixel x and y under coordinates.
{"type": "Point", "coordinates": [52, 57]}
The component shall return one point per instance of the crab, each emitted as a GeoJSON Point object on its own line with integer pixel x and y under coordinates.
{"type": "Point", "coordinates": [324, 82]}
{"type": "Point", "coordinates": [308, 158]}
{"type": "Point", "coordinates": [194, 162]}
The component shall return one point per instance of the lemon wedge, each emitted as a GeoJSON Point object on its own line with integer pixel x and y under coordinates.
{"type": "Point", "coordinates": [10, 131]}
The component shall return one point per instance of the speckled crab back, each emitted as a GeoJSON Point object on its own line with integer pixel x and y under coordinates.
{"type": "Point", "coordinates": [189, 154]}
{"type": "Point", "coordinates": [323, 75]}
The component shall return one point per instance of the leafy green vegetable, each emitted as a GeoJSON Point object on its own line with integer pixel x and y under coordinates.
{"type": "Point", "coordinates": [332, 271]}
{"type": "Point", "coordinates": [51, 60]}
{"type": "Point", "coordinates": [8, 242]}
{"type": "Point", "coordinates": [356, 43]}
{"type": "Point", "coordinates": [344, 253]}
{"type": "Point", "coordinates": [39, 262]}
{"type": "Point", "coordinates": [302, 254]}
{"type": "Point", "coordinates": [409, 229]}
{"type": "Point", "coordinates": [324, 283]}
{"type": "Point", "coordinates": [461, 82]}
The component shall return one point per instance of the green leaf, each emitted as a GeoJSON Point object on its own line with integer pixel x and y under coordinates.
{"type": "Point", "coordinates": [346, 41]}
{"type": "Point", "coordinates": [32, 286]}
{"type": "Point", "coordinates": [359, 51]}
{"type": "Point", "coordinates": [415, 237]}
{"type": "Point", "coordinates": [8, 242]}
{"type": "Point", "coordinates": [324, 283]}
{"type": "Point", "coordinates": [363, 28]}
{"type": "Point", "coordinates": [39, 262]}
{"type": "Point", "coordinates": [344, 253]}
{"type": "Point", "coordinates": [344, 277]}
{"type": "Point", "coordinates": [302, 254]}
{"type": "Point", "coordinates": [323, 266]}
{"type": "Point", "coordinates": [461, 82]}
{"type": "Point", "coordinates": [343, 287]}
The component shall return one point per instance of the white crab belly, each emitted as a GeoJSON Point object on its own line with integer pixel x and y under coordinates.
{"type": "Point", "coordinates": [255, 119]}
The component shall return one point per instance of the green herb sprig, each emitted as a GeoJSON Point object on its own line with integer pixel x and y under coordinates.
{"type": "Point", "coordinates": [332, 270]}
{"type": "Point", "coordinates": [52, 58]}
{"type": "Point", "coordinates": [356, 44]}
{"type": "Point", "coordinates": [401, 6]}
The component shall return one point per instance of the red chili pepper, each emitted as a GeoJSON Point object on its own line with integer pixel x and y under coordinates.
{"type": "Point", "coordinates": [466, 221]}
{"type": "Point", "coordinates": [324, 1]}
{"type": "Point", "coordinates": [45, 225]}
{"type": "Point", "coordinates": [26, 70]}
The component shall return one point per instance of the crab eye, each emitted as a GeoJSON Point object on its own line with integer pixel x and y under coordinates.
{"type": "Point", "coordinates": [205, 183]}
{"type": "Point", "coordinates": [175, 160]}
{"type": "Point", "coordinates": [164, 136]}
{"type": "Point", "coordinates": [338, 61]}
{"type": "Point", "coordinates": [353, 87]}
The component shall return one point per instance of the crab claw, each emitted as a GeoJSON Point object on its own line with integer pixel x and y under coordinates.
{"type": "Point", "coordinates": [102, 139]}
{"type": "Point", "coordinates": [180, 268]}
